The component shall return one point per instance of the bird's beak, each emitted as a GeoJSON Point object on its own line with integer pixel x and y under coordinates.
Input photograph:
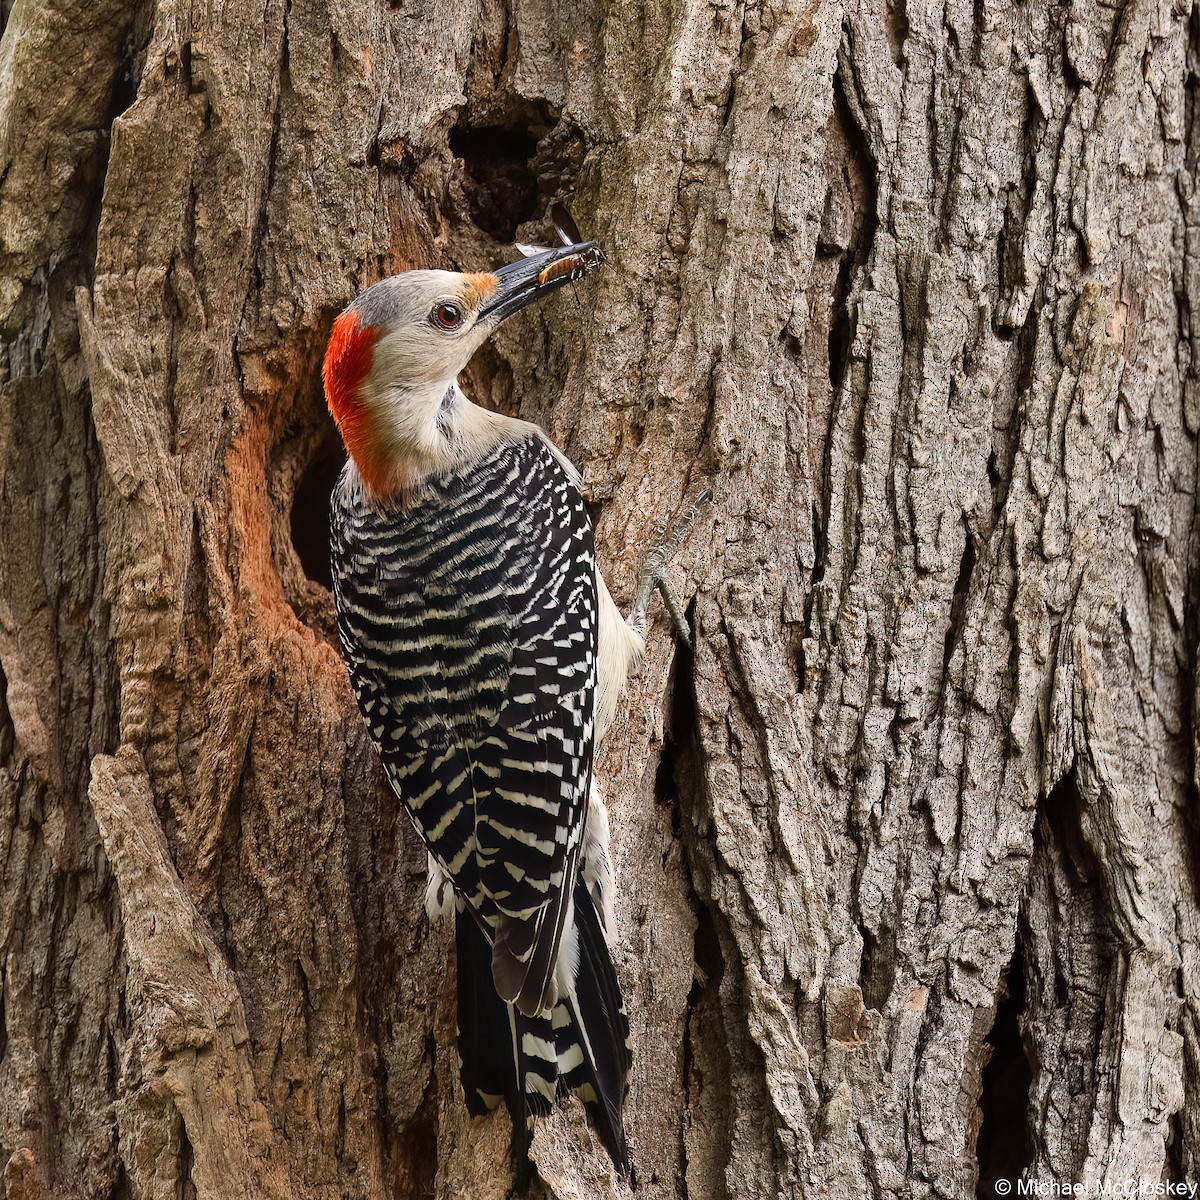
{"type": "Point", "coordinates": [530, 279]}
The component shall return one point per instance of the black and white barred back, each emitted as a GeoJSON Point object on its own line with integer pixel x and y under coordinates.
{"type": "Point", "coordinates": [468, 618]}
{"type": "Point", "coordinates": [468, 621]}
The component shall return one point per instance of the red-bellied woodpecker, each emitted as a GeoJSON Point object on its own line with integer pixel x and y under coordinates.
{"type": "Point", "coordinates": [487, 655]}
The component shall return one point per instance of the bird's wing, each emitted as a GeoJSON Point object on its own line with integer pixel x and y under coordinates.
{"type": "Point", "coordinates": [469, 623]}
{"type": "Point", "coordinates": [542, 752]}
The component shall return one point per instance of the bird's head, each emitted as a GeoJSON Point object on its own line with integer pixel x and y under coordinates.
{"type": "Point", "coordinates": [394, 354]}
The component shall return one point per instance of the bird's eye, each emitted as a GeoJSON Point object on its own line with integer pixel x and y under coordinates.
{"type": "Point", "coordinates": [447, 316]}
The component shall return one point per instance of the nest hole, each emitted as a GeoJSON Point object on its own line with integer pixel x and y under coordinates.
{"type": "Point", "coordinates": [310, 508]}
{"type": "Point", "coordinates": [498, 161]}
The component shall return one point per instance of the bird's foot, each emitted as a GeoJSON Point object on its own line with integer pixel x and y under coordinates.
{"type": "Point", "coordinates": [667, 540]}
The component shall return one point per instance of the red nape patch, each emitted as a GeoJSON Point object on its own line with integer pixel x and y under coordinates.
{"type": "Point", "coordinates": [347, 361]}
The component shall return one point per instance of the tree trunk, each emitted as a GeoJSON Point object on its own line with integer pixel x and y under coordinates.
{"type": "Point", "coordinates": [907, 857]}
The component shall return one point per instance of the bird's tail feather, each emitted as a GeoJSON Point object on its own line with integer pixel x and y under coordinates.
{"type": "Point", "coordinates": [504, 1055]}
{"type": "Point", "coordinates": [592, 1034]}
{"type": "Point", "coordinates": [581, 1045]}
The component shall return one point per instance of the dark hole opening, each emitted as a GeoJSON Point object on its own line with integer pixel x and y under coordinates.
{"type": "Point", "coordinates": [665, 791]}
{"type": "Point", "coordinates": [709, 956]}
{"type": "Point", "coordinates": [185, 1185]}
{"type": "Point", "coordinates": [958, 605]}
{"type": "Point", "coordinates": [122, 1189]}
{"type": "Point", "coordinates": [1002, 1148]}
{"type": "Point", "coordinates": [497, 160]}
{"type": "Point", "coordinates": [1061, 810]}
{"type": "Point", "coordinates": [841, 328]}
{"type": "Point", "coordinates": [310, 509]}
{"type": "Point", "coordinates": [415, 1154]}
{"type": "Point", "coordinates": [878, 973]}
{"type": "Point", "coordinates": [1176, 1166]}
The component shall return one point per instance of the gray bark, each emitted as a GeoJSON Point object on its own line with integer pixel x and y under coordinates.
{"type": "Point", "coordinates": [907, 852]}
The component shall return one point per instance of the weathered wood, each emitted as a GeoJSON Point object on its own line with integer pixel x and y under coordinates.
{"type": "Point", "coordinates": [907, 851]}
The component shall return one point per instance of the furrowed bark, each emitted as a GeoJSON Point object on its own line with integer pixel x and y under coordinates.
{"type": "Point", "coordinates": [907, 849]}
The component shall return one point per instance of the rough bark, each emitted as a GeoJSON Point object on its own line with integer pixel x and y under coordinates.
{"type": "Point", "coordinates": [908, 859]}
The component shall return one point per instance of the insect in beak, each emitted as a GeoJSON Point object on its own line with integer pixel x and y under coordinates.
{"type": "Point", "coordinates": [564, 224]}
{"type": "Point", "coordinates": [543, 271]}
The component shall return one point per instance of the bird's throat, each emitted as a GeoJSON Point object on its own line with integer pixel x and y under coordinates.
{"type": "Point", "coordinates": [400, 438]}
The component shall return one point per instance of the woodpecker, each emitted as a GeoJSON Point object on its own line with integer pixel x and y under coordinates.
{"type": "Point", "coordinates": [487, 655]}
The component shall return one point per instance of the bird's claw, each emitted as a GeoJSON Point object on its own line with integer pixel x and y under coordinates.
{"type": "Point", "coordinates": [667, 540]}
